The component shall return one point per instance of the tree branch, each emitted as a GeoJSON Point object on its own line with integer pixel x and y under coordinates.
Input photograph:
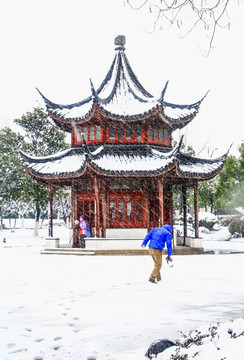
{"type": "Point", "coordinates": [209, 13]}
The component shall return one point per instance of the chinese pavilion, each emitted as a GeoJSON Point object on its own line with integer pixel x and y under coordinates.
{"type": "Point", "coordinates": [121, 166]}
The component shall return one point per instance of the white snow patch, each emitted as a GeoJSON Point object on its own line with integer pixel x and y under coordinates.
{"type": "Point", "coordinates": [73, 307]}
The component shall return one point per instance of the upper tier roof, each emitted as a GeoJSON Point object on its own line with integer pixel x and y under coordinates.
{"type": "Point", "coordinates": [121, 160]}
{"type": "Point", "coordinates": [121, 96]}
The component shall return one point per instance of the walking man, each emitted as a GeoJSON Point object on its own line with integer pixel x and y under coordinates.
{"type": "Point", "coordinates": [158, 237]}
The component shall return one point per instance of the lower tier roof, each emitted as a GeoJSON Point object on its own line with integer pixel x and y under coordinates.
{"type": "Point", "coordinates": [121, 160]}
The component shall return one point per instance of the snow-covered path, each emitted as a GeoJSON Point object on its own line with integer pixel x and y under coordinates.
{"type": "Point", "coordinates": [68, 307]}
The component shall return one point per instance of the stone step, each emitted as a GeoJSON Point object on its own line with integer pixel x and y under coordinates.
{"type": "Point", "coordinates": [179, 250]}
{"type": "Point", "coordinates": [66, 252]}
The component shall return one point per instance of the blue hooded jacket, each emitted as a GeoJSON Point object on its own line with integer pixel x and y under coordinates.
{"type": "Point", "coordinates": [85, 227]}
{"type": "Point", "coordinates": [158, 236]}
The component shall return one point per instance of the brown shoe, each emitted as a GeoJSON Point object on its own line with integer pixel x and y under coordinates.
{"type": "Point", "coordinates": [152, 280]}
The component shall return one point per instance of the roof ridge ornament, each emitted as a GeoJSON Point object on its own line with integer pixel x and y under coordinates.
{"type": "Point", "coordinates": [164, 91]}
{"type": "Point", "coordinates": [119, 42]}
{"type": "Point", "coordinates": [93, 91]}
{"type": "Point", "coordinates": [177, 148]}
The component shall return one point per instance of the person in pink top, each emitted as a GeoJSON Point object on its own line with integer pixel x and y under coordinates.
{"type": "Point", "coordinates": [84, 230]}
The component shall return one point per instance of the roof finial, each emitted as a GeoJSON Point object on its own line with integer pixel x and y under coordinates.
{"type": "Point", "coordinates": [119, 41]}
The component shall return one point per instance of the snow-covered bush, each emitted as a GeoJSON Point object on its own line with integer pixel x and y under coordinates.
{"type": "Point", "coordinates": [180, 220]}
{"type": "Point", "coordinates": [226, 220]}
{"type": "Point", "coordinates": [236, 226]}
{"type": "Point", "coordinates": [215, 341]}
{"type": "Point", "coordinates": [216, 227]}
{"type": "Point", "coordinates": [207, 220]}
{"type": "Point", "coordinates": [204, 230]}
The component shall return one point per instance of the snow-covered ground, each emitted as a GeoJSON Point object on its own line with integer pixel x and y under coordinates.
{"type": "Point", "coordinates": [103, 307]}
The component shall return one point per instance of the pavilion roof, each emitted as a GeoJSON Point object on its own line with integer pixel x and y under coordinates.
{"type": "Point", "coordinates": [121, 160]}
{"type": "Point", "coordinates": [121, 96]}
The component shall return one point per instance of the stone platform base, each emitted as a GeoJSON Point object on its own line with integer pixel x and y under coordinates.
{"type": "Point", "coordinates": [179, 250]}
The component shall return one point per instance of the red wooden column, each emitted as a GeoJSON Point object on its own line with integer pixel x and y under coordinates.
{"type": "Point", "coordinates": [96, 190]}
{"type": "Point", "coordinates": [171, 204]}
{"type": "Point", "coordinates": [50, 212]}
{"type": "Point", "coordinates": [195, 187]}
{"type": "Point", "coordinates": [146, 197]}
{"type": "Point", "coordinates": [74, 215]}
{"type": "Point", "coordinates": [161, 201]}
{"type": "Point", "coordinates": [184, 212]}
{"type": "Point", "coordinates": [168, 204]}
{"type": "Point", "coordinates": [104, 207]}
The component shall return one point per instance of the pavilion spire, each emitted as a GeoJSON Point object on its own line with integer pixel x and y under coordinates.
{"type": "Point", "coordinates": [119, 42]}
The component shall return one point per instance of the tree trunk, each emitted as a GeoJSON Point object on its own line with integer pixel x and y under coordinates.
{"type": "Point", "coordinates": [37, 220]}
{"type": "Point", "coordinates": [22, 221]}
{"type": "Point", "coordinates": [15, 220]}
{"type": "Point", "coordinates": [23, 214]}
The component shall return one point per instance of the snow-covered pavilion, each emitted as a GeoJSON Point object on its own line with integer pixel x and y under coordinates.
{"type": "Point", "coordinates": [121, 166]}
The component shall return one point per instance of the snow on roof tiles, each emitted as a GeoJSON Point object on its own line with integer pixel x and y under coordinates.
{"type": "Point", "coordinates": [122, 95]}
{"type": "Point", "coordinates": [71, 164]}
{"type": "Point", "coordinates": [132, 163]}
{"type": "Point", "coordinates": [66, 162]}
{"type": "Point", "coordinates": [191, 166]}
{"type": "Point", "coordinates": [76, 112]}
{"type": "Point", "coordinates": [175, 113]}
{"type": "Point", "coordinates": [124, 160]}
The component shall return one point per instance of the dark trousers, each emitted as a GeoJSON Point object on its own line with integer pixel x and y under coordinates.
{"type": "Point", "coordinates": [83, 241]}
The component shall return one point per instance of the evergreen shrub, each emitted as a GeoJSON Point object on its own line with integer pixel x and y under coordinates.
{"type": "Point", "coordinates": [209, 224]}
{"type": "Point", "coordinates": [236, 226]}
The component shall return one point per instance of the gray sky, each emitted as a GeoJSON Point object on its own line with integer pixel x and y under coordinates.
{"type": "Point", "coordinates": [57, 46]}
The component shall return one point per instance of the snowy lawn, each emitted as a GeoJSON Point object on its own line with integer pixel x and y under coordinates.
{"type": "Point", "coordinates": [103, 307]}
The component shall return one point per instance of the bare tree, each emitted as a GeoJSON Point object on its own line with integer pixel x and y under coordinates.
{"type": "Point", "coordinates": [187, 15]}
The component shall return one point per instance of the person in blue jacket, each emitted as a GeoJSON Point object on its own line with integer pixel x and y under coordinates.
{"type": "Point", "coordinates": [157, 238]}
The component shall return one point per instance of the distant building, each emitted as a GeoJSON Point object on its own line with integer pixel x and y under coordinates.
{"type": "Point", "coordinates": [121, 165]}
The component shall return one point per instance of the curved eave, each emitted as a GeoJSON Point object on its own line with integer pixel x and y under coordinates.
{"type": "Point", "coordinates": [125, 100]}
{"type": "Point", "coordinates": [200, 169]}
{"type": "Point", "coordinates": [109, 97]}
{"type": "Point", "coordinates": [178, 116]}
{"type": "Point", "coordinates": [67, 124]}
{"type": "Point", "coordinates": [124, 161]}
{"type": "Point", "coordinates": [53, 106]}
{"type": "Point", "coordinates": [53, 166]}
{"type": "Point", "coordinates": [107, 161]}
{"type": "Point", "coordinates": [180, 121]}
{"type": "Point", "coordinates": [54, 178]}
{"type": "Point", "coordinates": [60, 113]}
